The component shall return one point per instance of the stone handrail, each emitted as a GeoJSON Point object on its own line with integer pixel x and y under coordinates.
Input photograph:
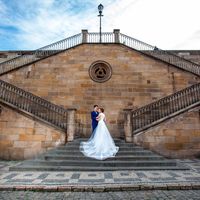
{"type": "Point", "coordinates": [157, 53]}
{"type": "Point", "coordinates": [162, 109]}
{"type": "Point", "coordinates": [40, 53]}
{"type": "Point", "coordinates": [37, 107]}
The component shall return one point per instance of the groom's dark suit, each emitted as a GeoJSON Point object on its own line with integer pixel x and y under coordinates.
{"type": "Point", "coordinates": [94, 121]}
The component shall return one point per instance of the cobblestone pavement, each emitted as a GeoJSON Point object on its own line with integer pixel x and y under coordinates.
{"type": "Point", "coordinates": [101, 177]}
{"type": "Point", "coordinates": [100, 181]}
{"type": "Point", "coordinates": [134, 195]}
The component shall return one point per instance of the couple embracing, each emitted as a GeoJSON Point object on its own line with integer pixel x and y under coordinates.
{"type": "Point", "coordinates": [100, 145]}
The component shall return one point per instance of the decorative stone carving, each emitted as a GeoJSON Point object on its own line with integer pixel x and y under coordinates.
{"type": "Point", "coordinates": [100, 71]}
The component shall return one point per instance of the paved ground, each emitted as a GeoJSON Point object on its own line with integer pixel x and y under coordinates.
{"type": "Point", "coordinates": [140, 185]}
{"type": "Point", "coordinates": [133, 195]}
{"type": "Point", "coordinates": [115, 178]}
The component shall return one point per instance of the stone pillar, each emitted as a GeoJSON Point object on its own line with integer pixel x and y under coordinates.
{"type": "Point", "coordinates": [71, 125]}
{"type": "Point", "coordinates": [116, 33]}
{"type": "Point", "coordinates": [84, 35]}
{"type": "Point", "coordinates": [128, 125]}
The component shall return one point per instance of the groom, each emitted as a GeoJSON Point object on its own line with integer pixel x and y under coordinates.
{"type": "Point", "coordinates": [94, 114]}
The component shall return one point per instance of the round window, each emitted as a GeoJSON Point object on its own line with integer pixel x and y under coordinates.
{"type": "Point", "coordinates": [100, 71]}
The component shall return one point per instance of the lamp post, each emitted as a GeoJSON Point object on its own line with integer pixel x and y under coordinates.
{"type": "Point", "coordinates": [100, 8]}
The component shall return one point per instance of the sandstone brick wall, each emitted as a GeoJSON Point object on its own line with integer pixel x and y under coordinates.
{"type": "Point", "coordinates": [136, 80]}
{"type": "Point", "coordinates": [178, 137]}
{"type": "Point", "coordinates": [23, 138]}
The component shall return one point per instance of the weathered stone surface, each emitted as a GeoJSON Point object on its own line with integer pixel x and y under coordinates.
{"type": "Point", "coordinates": [178, 137]}
{"type": "Point", "coordinates": [23, 138]}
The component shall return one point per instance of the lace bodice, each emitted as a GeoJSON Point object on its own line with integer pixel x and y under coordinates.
{"type": "Point", "coordinates": [101, 116]}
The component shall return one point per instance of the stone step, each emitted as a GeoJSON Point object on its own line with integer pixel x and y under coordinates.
{"type": "Point", "coordinates": [117, 144]}
{"type": "Point", "coordinates": [118, 157]}
{"type": "Point", "coordinates": [86, 139]}
{"type": "Point", "coordinates": [97, 168]}
{"type": "Point", "coordinates": [104, 163]}
{"type": "Point", "coordinates": [77, 152]}
{"type": "Point", "coordinates": [72, 148]}
{"type": "Point", "coordinates": [116, 140]}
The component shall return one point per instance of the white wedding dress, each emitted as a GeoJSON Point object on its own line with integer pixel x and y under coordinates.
{"type": "Point", "coordinates": [100, 145]}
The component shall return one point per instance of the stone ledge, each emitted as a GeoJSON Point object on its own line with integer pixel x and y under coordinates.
{"type": "Point", "coordinates": [101, 188]}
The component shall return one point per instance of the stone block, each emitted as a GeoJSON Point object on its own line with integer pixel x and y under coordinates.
{"type": "Point", "coordinates": [3, 124]}
{"type": "Point", "coordinates": [29, 130]}
{"type": "Point", "coordinates": [8, 131]}
{"type": "Point", "coordinates": [16, 153]}
{"type": "Point", "coordinates": [48, 144]}
{"type": "Point", "coordinates": [9, 137]}
{"type": "Point", "coordinates": [183, 139]}
{"type": "Point", "coordinates": [6, 143]}
{"type": "Point", "coordinates": [25, 137]}
{"type": "Point", "coordinates": [56, 137]}
{"type": "Point", "coordinates": [173, 146]}
{"type": "Point", "coordinates": [25, 144]}
{"type": "Point", "coordinates": [169, 132]}
{"type": "Point", "coordinates": [32, 152]}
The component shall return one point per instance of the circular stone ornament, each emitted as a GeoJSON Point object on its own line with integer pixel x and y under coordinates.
{"type": "Point", "coordinates": [100, 71]}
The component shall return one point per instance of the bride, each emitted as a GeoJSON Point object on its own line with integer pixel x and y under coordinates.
{"type": "Point", "coordinates": [100, 145]}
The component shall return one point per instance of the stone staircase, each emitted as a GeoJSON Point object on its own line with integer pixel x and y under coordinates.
{"type": "Point", "coordinates": [164, 108]}
{"type": "Point", "coordinates": [33, 106]}
{"type": "Point", "coordinates": [69, 158]}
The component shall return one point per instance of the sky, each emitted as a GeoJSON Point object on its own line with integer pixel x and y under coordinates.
{"type": "Point", "coordinates": [167, 24]}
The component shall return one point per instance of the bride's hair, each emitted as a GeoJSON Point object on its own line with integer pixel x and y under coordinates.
{"type": "Point", "coordinates": [102, 110]}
